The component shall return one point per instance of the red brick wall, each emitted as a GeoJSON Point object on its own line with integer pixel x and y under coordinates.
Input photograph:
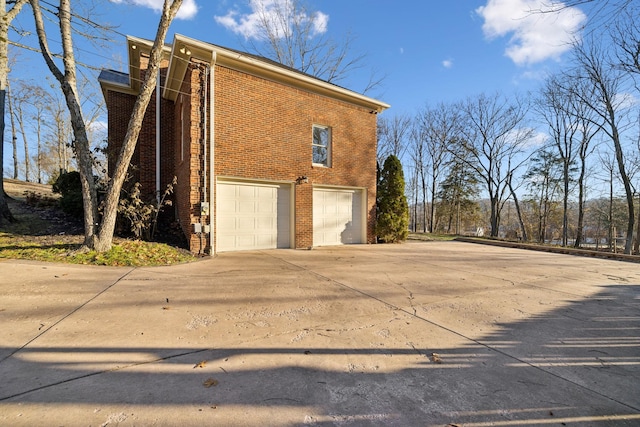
{"type": "Point", "coordinates": [263, 130]}
{"type": "Point", "coordinates": [189, 159]}
{"type": "Point", "coordinates": [119, 106]}
{"type": "Point", "coordinates": [143, 162]}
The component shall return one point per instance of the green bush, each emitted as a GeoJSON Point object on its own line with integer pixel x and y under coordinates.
{"type": "Point", "coordinates": [68, 185]}
{"type": "Point", "coordinates": [392, 207]}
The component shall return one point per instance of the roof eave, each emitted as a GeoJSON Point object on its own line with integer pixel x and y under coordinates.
{"type": "Point", "coordinates": [185, 48]}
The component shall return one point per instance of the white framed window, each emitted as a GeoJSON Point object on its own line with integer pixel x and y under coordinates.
{"type": "Point", "coordinates": [321, 145]}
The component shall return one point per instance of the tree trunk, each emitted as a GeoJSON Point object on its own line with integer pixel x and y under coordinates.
{"type": "Point", "coordinates": [630, 208]}
{"type": "Point", "coordinates": [523, 229]}
{"type": "Point", "coordinates": [5, 212]}
{"type": "Point", "coordinates": [626, 183]}
{"type": "Point", "coordinates": [27, 163]}
{"type": "Point", "coordinates": [565, 203]}
{"type": "Point", "coordinates": [39, 138]}
{"type": "Point", "coordinates": [432, 221]}
{"type": "Point", "coordinates": [105, 237]}
{"type": "Point", "coordinates": [580, 225]}
{"type": "Point", "coordinates": [541, 217]}
{"type": "Point", "coordinates": [101, 240]}
{"type": "Point", "coordinates": [495, 216]}
{"type": "Point", "coordinates": [5, 20]}
{"type": "Point", "coordinates": [14, 136]}
{"type": "Point", "coordinates": [415, 203]}
{"type": "Point", "coordinates": [67, 82]}
{"type": "Point", "coordinates": [636, 246]}
{"type": "Point", "coordinates": [611, 236]}
{"type": "Point", "coordinates": [423, 184]}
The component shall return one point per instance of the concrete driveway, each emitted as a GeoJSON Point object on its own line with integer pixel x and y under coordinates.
{"type": "Point", "coordinates": [419, 334]}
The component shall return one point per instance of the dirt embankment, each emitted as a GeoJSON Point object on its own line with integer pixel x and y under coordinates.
{"type": "Point", "coordinates": [38, 219]}
{"type": "Point", "coordinates": [17, 189]}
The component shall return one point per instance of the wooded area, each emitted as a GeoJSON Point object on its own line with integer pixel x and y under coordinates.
{"type": "Point", "coordinates": [558, 166]}
{"type": "Point", "coordinates": [561, 165]}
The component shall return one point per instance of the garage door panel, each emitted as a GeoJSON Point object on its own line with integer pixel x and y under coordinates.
{"type": "Point", "coordinates": [253, 216]}
{"type": "Point", "coordinates": [265, 224]}
{"type": "Point", "coordinates": [337, 217]}
{"type": "Point", "coordinates": [245, 192]}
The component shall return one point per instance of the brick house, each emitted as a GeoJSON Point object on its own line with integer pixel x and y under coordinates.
{"type": "Point", "coordinates": [265, 156]}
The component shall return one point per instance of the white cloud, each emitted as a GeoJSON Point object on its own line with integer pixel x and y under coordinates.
{"type": "Point", "coordinates": [625, 100]}
{"type": "Point", "coordinates": [535, 36]}
{"type": "Point", "coordinates": [535, 75]}
{"type": "Point", "coordinates": [526, 137]}
{"type": "Point", "coordinates": [249, 25]}
{"type": "Point", "coordinates": [320, 23]}
{"type": "Point", "coordinates": [447, 63]}
{"type": "Point", "coordinates": [538, 139]}
{"type": "Point", "coordinates": [188, 10]}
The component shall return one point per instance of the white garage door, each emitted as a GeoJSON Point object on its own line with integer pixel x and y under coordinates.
{"type": "Point", "coordinates": [337, 217]}
{"type": "Point", "coordinates": [253, 216]}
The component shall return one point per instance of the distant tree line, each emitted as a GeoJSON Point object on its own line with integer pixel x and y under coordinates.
{"type": "Point", "coordinates": [41, 134]}
{"type": "Point", "coordinates": [561, 165]}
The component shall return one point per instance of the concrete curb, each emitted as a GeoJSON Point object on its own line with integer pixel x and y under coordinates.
{"type": "Point", "coordinates": [552, 249]}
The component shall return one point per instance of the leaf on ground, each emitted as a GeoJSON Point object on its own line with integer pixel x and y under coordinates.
{"type": "Point", "coordinates": [200, 364]}
{"type": "Point", "coordinates": [210, 382]}
{"type": "Point", "coordinates": [435, 358]}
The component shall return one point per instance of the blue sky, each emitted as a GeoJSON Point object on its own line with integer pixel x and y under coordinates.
{"type": "Point", "coordinates": [431, 51]}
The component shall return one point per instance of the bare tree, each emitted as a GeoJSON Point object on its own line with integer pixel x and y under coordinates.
{"type": "Point", "coordinates": [420, 162]}
{"type": "Point", "coordinates": [608, 105]}
{"type": "Point", "coordinates": [393, 136]}
{"type": "Point", "coordinates": [14, 132]}
{"type": "Point", "coordinates": [544, 177]}
{"type": "Point", "coordinates": [440, 128]}
{"type": "Point", "coordinates": [516, 202]}
{"type": "Point", "coordinates": [493, 140]}
{"type": "Point", "coordinates": [6, 17]}
{"type": "Point", "coordinates": [292, 34]}
{"type": "Point", "coordinates": [609, 165]}
{"type": "Point", "coordinates": [563, 128]}
{"type": "Point", "coordinates": [39, 105]}
{"type": "Point", "coordinates": [21, 100]}
{"type": "Point", "coordinates": [586, 131]}
{"type": "Point", "coordinates": [626, 36]}
{"type": "Point", "coordinates": [601, 12]}
{"type": "Point", "coordinates": [99, 234]}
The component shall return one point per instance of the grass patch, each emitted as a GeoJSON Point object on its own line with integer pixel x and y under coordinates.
{"type": "Point", "coordinates": [43, 233]}
{"type": "Point", "coordinates": [431, 237]}
{"type": "Point", "coordinates": [123, 253]}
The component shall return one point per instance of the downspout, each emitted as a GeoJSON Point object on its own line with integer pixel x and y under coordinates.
{"type": "Point", "coordinates": [205, 208]}
{"type": "Point", "coordinates": [158, 138]}
{"type": "Point", "coordinates": [212, 175]}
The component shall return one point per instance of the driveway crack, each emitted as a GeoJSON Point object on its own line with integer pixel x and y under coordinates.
{"type": "Point", "coordinates": [42, 330]}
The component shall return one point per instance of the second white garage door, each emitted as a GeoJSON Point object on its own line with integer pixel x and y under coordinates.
{"type": "Point", "coordinates": [253, 216]}
{"type": "Point", "coordinates": [337, 216]}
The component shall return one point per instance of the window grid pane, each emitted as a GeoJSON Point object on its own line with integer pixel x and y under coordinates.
{"type": "Point", "coordinates": [321, 145]}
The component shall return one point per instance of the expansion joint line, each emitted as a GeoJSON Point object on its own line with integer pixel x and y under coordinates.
{"type": "Point", "coordinates": [45, 330]}
{"type": "Point", "coordinates": [480, 343]}
{"type": "Point", "coordinates": [105, 371]}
